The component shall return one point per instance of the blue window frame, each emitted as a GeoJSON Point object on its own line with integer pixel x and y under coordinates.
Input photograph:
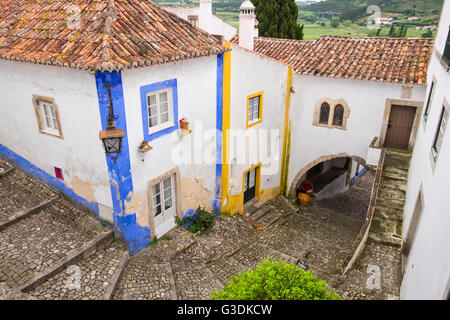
{"type": "Point", "coordinates": [159, 103]}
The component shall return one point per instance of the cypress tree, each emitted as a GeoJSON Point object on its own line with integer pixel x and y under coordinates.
{"type": "Point", "coordinates": [278, 19]}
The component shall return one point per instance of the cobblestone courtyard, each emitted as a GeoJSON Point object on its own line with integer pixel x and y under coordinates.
{"type": "Point", "coordinates": [182, 265]}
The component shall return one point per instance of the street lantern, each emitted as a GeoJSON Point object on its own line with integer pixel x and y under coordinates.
{"type": "Point", "coordinates": [111, 136]}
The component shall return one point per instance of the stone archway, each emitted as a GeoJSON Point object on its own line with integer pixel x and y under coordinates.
{"type": "Point", "coordinates": [301, 173]}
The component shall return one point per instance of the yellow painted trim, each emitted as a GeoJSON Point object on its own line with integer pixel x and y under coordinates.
{"type": "Point", "coordinates": [226, 126]}
{"type": "Point", "coordinates": [257, 182]}
{"type": "Point", "coordinates": [261, 93]}
{"type": "Point", "coordinates": [284, 164]}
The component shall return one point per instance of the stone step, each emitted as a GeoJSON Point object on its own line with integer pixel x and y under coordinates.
{"type": "Point", "coordinates": [389, 193]}
{"type": "Point", "coordinates": [389, 212]}
{"type": "Point", "coordinates": [6, 171]}
{"type": "Point", "coordinates": [4, 166]}
{"type": "Point", "coordinates": [390, 202]}
{"type": "Point", "coordinates": [394, 185]}
{"type": "Point", "coordinates": [39, 241]}
{"type": "Point", "coordinates": [6, 221]}
{"type": "Point", "coordinates": [261, 212]}
{"type": "Point", "coordinates": [387, 239]}
{"type": "Point", "coordinates": [18, 192]}
{"type": "Point", "coordinates": [93, 277]}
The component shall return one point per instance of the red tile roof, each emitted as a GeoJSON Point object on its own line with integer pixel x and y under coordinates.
{"type": "Point", "coordinates": [395, 60]}
{"type": "Point", "coordinates": [102, 35]}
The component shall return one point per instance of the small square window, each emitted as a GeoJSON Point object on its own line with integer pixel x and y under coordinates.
{"type": "Point", "coordinates": [160, 111]}
{"type": "Point", "coordinates": [47, 116]}
{"type": "Point", "coordinates": [254, 109]}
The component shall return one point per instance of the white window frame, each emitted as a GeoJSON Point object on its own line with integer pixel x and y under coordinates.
{"type": "Point", "coordinates": [162, 195]}
{"type": "Point", "coordinates": [47, 116]}
{"type": "Point", "coordinates": [161, 125]}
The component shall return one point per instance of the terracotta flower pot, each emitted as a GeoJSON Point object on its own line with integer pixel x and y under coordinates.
{"type": "Point", "coordinates": [184, 125]}
{"type": "Point", "coordinates": [304, 199]}
{"type": "Point", "coordinates": [307, 187]}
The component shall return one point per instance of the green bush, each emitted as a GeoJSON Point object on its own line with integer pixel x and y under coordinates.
{"type": "Point", "coordinates": [335, 22]}
{"type": "Point", "coordinates": [275, 281]}
{"type": "Point", "coordinates": [201, 220]}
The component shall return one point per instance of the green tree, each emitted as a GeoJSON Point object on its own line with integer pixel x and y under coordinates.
{"type": "Point", "coordinates": [278, 19]}
{"type": "Point", "coordinates": [335, 22]}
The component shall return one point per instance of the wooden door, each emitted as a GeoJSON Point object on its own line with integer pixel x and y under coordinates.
{"type": "Point", "coordinates": [401, 121]}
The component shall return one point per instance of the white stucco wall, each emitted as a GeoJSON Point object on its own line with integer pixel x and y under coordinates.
{"type": "Point", "coordinates": [214, 25]}
{"type": "Point", "coordinates": [444, 24]}
{"type": "Point", "coordinates": [250, 74]}
{"type": "Point", "coordinates": [366, 101]}
{"type": "Point", "coordinates": [80, 153]}
{"type": "Point", "coordinates": [196, 86]}
{"type": "Point", "coordinates": [427, 273]}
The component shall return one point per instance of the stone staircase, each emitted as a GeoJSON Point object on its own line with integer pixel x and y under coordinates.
{"type": "Point", "coordinates": [386, 227]}
{"type": "Point", "coordinates": [50, 248]}
{"type": "Point", "coordinates": [256, 213]}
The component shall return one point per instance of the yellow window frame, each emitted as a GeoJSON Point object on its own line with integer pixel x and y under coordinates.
{"type": "Point", "coordinates": [260, 94]}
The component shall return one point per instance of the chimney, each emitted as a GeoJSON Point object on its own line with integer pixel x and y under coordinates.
{"type": "Point", "coordinates": [247, 20]}
{"type": "Point", "coordinates": [204, 19]}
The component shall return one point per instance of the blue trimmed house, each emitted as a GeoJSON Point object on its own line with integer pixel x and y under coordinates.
{"type": "Point", "coordinates": [129, 61]}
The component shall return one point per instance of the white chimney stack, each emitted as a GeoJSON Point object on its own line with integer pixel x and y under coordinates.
{"type": "Point", "coordinates": [204, 19]}
{"type": "Point", "coordinates": [247, 25]}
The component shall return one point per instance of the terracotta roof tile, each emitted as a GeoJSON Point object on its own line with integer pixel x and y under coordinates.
{"type": "Point", "coordinates": [396, 60]}
{"type": "Point", "coordinates": [105, 35]}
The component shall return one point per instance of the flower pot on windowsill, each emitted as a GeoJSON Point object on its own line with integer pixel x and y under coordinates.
{"type": "Point", "coordinates": [184, 125]}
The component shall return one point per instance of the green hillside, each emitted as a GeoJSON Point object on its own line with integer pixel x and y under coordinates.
{"type": "Point", "coordinates": [427, 10]}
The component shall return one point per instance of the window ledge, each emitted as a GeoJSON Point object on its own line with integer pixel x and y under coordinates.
{"type": "Point", "coordinates": [184, 132]}
{"type": "Point", "coordinates": [254, 123]}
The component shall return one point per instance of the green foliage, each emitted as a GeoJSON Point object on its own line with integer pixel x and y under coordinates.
{"type": "Point", "coordinates": [308, 16]}
{"type": "Point", "coordinates": [335, 22]}
{"type": "Point", "coordinates": [398, 31]}
{"type": "Point", "coordinates": [428, 34]}
{"type": "Point", "coordinates": [276, 281]}
{"type": "Point", "coordinates": [201, 220]}
{"type": "Point", "coordinates": [278, 19]}
{"type": "Point", "coordinates": [154, 242]}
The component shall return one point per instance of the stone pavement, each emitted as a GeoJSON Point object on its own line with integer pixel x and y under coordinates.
{"type": "Point", "coordinates": [319, 236]}
{"type": "Point", "coordinates": [182, 265]}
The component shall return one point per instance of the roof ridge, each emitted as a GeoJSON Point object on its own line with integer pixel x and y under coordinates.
{"type": "Point", "coordinates": [109, 18]}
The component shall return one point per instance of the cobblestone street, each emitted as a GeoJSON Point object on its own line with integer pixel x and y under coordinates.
{"type": "Point", "coordinates": [60, 252]}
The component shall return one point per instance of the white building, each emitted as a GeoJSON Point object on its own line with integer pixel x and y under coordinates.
{"type": "Point", "coordinates": [426, 227]}
{"type": "Point", "coordinates": [342, 96]}
{"type": "Point", "coordinates": [57, 99]}
{"type": "Point", "coordinates": [203, 18]}
{"type": "Point", "coordinates": [264, 114]}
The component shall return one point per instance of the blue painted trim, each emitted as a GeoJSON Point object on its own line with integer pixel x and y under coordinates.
{"type": "Point", "coordinates": [120, 176]}
{"type": "Point", "coordinates": [46, 178]}
{"type": "Point", "coordinates": [362, 172]}
{"type": "Point", "coordinates": [154, 87]}
{"type": "Point", "coordinates": [219, 125]}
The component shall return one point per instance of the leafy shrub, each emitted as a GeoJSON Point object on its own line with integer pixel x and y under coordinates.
{"type": "Point", "coordinates": [335, 22]}
{"type": "Point", "coordinates": [201, 220]}
{"type": "Point", "coordinates": [275, 281]}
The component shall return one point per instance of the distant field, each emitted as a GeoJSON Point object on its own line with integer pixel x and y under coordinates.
{"type": "Point", "coordinates": [230, 17]}
{"type": "Point", "coordinates": [314, 31]}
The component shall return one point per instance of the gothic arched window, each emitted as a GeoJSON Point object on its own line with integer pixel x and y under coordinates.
{"type": "Point", "coordinates": [338, 116]}
{"type": "Point", "coordinates": [324, 113]}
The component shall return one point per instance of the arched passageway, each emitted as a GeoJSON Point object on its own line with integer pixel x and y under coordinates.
{"type": "Point", "coordinates": [330, 174]}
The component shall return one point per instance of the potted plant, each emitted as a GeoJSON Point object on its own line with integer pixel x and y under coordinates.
{"type": "Point", "coordinates": [184, 124]}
